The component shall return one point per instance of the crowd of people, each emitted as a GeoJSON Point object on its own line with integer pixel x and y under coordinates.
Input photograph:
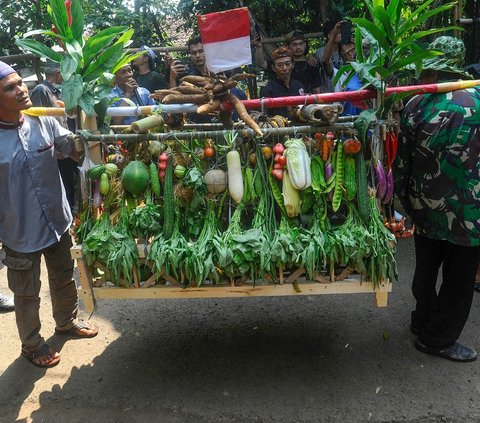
{"type": "Point", "coordinates": [436, 173]}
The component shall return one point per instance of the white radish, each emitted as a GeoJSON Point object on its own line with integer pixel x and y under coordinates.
{"type": "Point", "coordinates": [235, 179]}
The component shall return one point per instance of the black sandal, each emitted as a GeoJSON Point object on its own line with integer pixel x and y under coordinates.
{"type": "Point", "coordinates": [43, 352]}
{"type": "Point", "coordinates": [76, 330]}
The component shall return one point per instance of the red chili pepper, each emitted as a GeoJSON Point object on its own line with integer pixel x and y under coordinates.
{"type": "Point", "coordinates": [68, 6]}
{"type": "Point", "coordinates": [388, 149]}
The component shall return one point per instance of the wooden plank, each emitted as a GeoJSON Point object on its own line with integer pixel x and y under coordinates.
{"type": "Point", "coordinates": [381, 299]}
{"type": "Point", "coordinates": [295, 275]}
{"type": "Point", "coordinates": [348, 286]}
{"type": "Point", "coordinates": [87, 290]}
{"type": "Point", "coordinates": [354, 284]}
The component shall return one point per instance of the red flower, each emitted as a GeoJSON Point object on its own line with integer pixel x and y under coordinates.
{"type": "Point", "coordinates": [68, 6]}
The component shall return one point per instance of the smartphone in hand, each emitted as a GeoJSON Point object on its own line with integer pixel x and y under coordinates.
{"type": "Point", "coordinates": [346, 32]}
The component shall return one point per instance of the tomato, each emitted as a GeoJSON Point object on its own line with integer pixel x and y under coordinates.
{"type": "Point", "coordinates": [209, 152]}
{"type": "Point", "coordinates": [279, 148]}
{"type": "Point", "coordinates": [278, 173]}
{"type": "Point", "coordinates": [282, 161]}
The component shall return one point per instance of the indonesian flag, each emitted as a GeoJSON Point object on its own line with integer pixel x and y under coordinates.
{"type": "Point", "coordinates": [226, 39]}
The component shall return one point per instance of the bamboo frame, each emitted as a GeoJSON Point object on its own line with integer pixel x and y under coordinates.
{"type": "Point", "coordinates": [295, 284]}
{"type": "Point", "coordinates": [245, 132]}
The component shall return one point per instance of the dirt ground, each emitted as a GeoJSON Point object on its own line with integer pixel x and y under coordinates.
{"type": "Point", "coordinates": [331, 358]}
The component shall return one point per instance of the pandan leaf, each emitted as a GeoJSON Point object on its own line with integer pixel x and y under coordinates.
{"type": "Point", "coordinates": [375, 31]}
{"type": "Point", "coordinates": [415, 23]}
{"type": "Point", "coordinates": [382, 16]}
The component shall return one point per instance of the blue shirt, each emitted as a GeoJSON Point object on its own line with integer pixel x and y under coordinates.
{"type": "Point", "coordinates": [34, 211]}
{"type": "Point", "coordinates": [143, 99]}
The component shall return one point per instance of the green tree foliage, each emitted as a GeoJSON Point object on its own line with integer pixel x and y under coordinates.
{"type": "Point", "coordinates": [148, 17]}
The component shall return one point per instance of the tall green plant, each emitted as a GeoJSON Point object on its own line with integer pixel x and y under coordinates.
{"type": "Point", "coordinates": [392, 38]}
{"type": "Point", "coordinates": [87, 64]}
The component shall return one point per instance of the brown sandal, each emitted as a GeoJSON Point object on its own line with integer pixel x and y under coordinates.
{"type": "Point", "coordinates": [51, 357]}
{"type": "Point", "coordinates": [77, 330]}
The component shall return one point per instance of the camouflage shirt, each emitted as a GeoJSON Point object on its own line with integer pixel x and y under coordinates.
{"type": "Point", "coordinates": [437, 171]}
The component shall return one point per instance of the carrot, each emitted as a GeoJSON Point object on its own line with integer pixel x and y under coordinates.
{"type": "Point", "coordinates": [185, 98]}
{"type": "Point", "coordinates": [327, 144]}
{"type": "Point", "coordinates": [243, 114]}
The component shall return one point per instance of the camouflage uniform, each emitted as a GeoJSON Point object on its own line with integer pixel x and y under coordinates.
{"type": "Point", "coordinates": [438, 182]}
{"type": "Point", "coordinates": [437, 170]}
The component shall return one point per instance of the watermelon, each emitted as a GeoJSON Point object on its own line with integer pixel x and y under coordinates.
{"type": "Point", "coordinates": [135, 177]}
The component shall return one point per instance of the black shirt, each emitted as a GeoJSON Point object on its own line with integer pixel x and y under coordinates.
{"type": "Point", "coordinates": [277, 88]}
{"type": "Point", "coordinates": [152, 81]}
{"type": "Point", "coordinates": [308, 75]}
{"type": "Point", "coordinates": [302, 71]}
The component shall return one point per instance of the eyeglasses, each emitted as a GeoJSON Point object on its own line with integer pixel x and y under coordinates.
{"type": "Point", "coordinates": [283, 64]}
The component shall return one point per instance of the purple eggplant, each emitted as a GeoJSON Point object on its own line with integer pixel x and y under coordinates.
{"type": "Point", "coordinates": [390, 188]}
{"type": "Point", "coordinates": [380, 179]}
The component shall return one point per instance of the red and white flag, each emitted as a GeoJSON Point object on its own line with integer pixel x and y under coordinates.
{"type": "Point", "coordinates": [226, 39]}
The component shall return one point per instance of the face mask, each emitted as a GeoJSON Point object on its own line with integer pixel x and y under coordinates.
{"type": "Point", "coordinates": [57, 86]}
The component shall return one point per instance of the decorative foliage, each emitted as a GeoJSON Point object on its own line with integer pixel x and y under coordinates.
{"type": "Point", "coordinates": [87, 64]}
{"type": "Point", "coordinates": [391, 40]}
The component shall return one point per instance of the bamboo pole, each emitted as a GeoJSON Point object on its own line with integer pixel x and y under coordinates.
{"type": "Point", "coordinates": [261, 103]}
{"type": "Point", "coordinates": [245, 132]}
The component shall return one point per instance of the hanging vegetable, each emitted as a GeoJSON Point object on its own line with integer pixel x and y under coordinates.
{"type": "Point", "coordinates": [298, 163]}
{"type": "Point", "coordinates": [352, 146]}
{"type": "Point", "coordinates": [235, 179]}
{"type": "Point", "coordinates": [291, 197]}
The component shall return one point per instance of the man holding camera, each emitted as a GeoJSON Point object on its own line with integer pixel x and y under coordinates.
{"type": "Point", "coordinates": [195, 66]}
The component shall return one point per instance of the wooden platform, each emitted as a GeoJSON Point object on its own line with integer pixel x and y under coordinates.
{"type": "Point", "coordinates": [292, 285]}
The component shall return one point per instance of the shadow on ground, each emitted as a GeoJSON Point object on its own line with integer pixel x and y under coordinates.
{"type": "Point", "coordinates": [304, 359]}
